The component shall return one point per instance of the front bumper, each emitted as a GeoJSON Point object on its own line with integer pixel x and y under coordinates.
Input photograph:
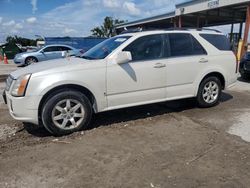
{"type": "Point", "coordinates": [24, 109]}
{"type": "Point", "coordinates": [4, 97]}
{"type": "Point", "coordinates": [19, 60]}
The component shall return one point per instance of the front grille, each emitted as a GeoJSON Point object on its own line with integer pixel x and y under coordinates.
{"type": "Point", "coordinates": [8, 82]}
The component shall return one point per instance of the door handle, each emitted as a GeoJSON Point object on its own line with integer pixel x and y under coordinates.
{"type": "Point", "coordinates": [203, 60]}
{"type": "Point", "coordinates": [159, 65]}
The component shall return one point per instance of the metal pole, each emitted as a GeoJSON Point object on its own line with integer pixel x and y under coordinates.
{"type": "Point", "coordinates": [240, 31]}
{"type": "Point", "coordinates": [198, 21]}
{"type": "Point", "coordinates": [246, 32]}
{"type": "Point", "coordinates": [174, 22]}
{"type": "Point", "coordinates": [180, 22]}
{"type": "Point", "coordinates": [231, 33]}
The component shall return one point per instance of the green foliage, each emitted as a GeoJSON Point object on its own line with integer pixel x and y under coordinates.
{"type": "Point", "coordinates": [106, 30]}
{"type": "Point", "coordinates": [20, 40]}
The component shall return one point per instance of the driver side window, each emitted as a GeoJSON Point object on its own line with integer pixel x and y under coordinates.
{"type": "Point", "coordinates": [146, 48]}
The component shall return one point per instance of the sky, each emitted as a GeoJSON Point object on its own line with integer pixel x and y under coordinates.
{"type": "Point", "coordinates": [28, 18]}
{"type": "Point", "coordinates": [52, 18]}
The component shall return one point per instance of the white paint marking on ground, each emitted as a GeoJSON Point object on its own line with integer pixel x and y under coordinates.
{"type": "Point", "coordinates": [242, 127]}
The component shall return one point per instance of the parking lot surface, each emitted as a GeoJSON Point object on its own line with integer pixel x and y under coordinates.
{"type": "Point", "coordinates": [7, 68]}
{"type": "Point", "coordinates": [172, 144]}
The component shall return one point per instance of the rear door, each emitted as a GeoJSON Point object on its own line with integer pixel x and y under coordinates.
{"type": "Point", "coordinates": [69, 51]}
{"type": "Point", "coordinates": [186, 58]}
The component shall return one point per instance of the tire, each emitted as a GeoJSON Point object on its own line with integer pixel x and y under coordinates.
{"type": "Point", "coordinates": [66, 112]}
{"type": "Point", "coordinates": [209, 92]}
{"type": "Point", "coordinates": [30, 60]}
{"type": "Point", "coordinates": [245, 76]}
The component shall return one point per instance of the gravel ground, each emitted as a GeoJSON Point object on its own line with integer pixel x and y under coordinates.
{"type": "Point", "coordinates": [172, 144]}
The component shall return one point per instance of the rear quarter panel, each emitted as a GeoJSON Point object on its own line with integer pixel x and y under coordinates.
{"type": "Point", "coordinates": [223, 62]}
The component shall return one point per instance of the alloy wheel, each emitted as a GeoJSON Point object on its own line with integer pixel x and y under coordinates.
{"type": "Point", "coordinates": [68, 114]}
{"type": "Point", "coordinates": [210, 92]}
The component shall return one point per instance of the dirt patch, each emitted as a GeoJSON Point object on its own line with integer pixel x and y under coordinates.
{"type": "Point", "coordinates": [173, 144]}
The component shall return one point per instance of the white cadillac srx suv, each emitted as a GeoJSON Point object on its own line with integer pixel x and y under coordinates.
{"type": "Point", "coordinates": [127, 70]}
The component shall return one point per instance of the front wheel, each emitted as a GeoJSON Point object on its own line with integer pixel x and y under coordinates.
{"type": "Point", "coordinates": [209, 92]}
{"type": "Point", "coordinates": [66, 112]}
{"type": "Point", "coordinates": [30, 60]}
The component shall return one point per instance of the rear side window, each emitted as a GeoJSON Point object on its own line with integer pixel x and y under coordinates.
{"type": "Point", "coordinates": [219, 41]}
{"type": "Point", "coordinates": [197, 48]}
{"type": "Point", "coordinates": [184, 44]}
{"type": "Point", "coordinates": [64, 48]}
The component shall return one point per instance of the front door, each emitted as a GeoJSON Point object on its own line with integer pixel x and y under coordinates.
{"type": "Point", "coordinates": [52, 52]}
{"type": "Point", "coordinates": [143, 80]}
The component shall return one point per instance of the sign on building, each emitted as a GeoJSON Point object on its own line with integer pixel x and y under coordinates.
{"type": "Point", "coordinates": [213, 3]}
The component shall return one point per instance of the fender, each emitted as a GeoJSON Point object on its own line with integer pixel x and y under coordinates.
{"type": "Point", "coordinates": [43, 84]}
{"type": "Point", "coordinates": [209, 70]}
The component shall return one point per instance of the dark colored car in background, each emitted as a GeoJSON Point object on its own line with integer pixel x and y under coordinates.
{"type": "Point", "coordinates": [245, 66]}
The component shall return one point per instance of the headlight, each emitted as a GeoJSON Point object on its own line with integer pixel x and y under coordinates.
{"type": "Point", "coordinates": [8, 83]}
{"type": "Point", "coordinates": [20, 85]}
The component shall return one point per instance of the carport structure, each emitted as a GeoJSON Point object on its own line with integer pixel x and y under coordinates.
{"type": "Point", "coordinates": [201, 13]}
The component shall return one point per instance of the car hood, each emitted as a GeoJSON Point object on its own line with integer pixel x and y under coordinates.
{"type": "Point", "coordinates": [54, 66]}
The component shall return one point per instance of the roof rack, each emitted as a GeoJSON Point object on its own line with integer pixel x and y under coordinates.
{"type": "Point", "coordinates": [193, 28]}
{"type": "Point", "coordinates": [140, 29]}
{"type": "Point", "coordinates": [133, 30]}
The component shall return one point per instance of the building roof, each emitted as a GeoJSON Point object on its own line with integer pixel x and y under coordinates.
{"type": "Point", "coordinates": [208, 12]}
{"type": "Point", "coordinates": [147, 20]}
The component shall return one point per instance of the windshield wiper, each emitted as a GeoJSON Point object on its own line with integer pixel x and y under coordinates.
{"type": "Point", "coordinates": [87, 57]}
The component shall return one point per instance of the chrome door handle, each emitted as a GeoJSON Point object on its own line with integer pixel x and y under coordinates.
{"type": "Point", "coordinates": [203, 60]}
{"type": "Point", "coordinates": [159, 65]}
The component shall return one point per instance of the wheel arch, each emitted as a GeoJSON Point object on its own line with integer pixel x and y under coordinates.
{"type": "Point", "coordinates": [219, 75]}
{"type": "Point", "coordinates": [66, 87]}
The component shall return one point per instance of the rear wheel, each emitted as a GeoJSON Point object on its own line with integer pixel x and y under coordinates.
{"type": "Point", "coordinates": [66, 112]}
{"type": "Point", "coordinates": [30, 60]}
{"type": "Point", "coordinates": [209, 92]}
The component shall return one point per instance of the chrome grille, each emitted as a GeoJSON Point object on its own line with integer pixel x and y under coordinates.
{"type": "Point", "coordinates": [8, 83]}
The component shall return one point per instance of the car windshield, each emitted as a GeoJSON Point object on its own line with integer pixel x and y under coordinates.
{"type": "Point", "coordinates": [103, 49]}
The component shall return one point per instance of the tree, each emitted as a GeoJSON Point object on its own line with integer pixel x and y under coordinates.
{"type": "Point", "coordinates": [20, 40]}
{"type": "Point", "coordinates": [106, 30]}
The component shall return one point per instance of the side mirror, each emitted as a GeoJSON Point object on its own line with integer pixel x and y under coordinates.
{"type": "Point", "coordinates": [42, 51]}
{"type": "Point", "coordinates": [123, 57]}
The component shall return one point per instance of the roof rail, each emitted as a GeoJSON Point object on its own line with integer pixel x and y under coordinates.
{"type": "Point", "coordinates": [193, 28]}
{"type": "Point", "coordinates": [208, 29]}
{"type": "Point", "coordinates": [140, 29]}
